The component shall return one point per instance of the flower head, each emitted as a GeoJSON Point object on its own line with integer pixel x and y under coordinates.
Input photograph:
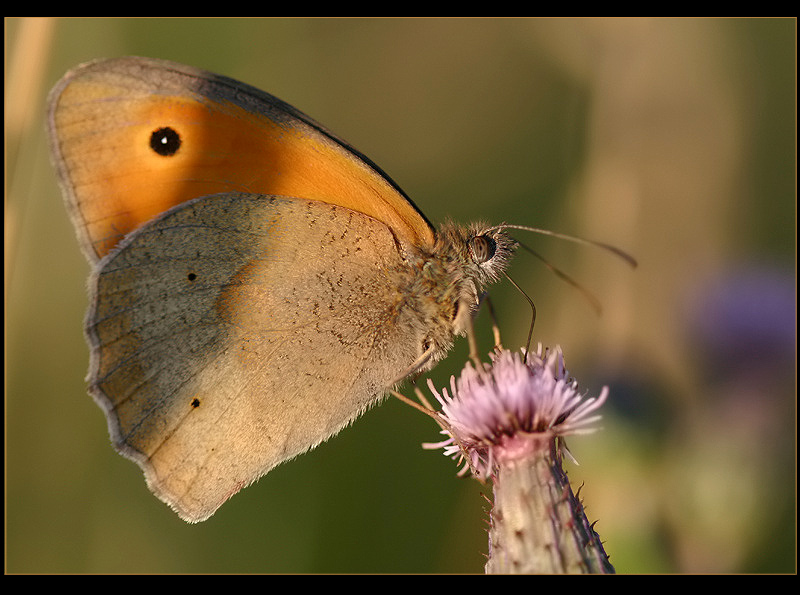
{"type": "Point", "coordinates": [512, 405]}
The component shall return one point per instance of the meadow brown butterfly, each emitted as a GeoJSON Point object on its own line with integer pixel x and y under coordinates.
{"type": "Point", "coordinates": [256, 282]}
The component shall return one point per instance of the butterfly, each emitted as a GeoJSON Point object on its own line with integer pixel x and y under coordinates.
{"type": "Point", "coordinates": [257, 283]}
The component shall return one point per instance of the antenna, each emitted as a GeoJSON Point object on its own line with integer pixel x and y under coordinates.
{"type": "Point", "coordinates": [595, 303]}
{"type": "Point", "coordinates": [602, 245]}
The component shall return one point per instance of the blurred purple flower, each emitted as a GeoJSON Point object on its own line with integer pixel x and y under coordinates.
{"type": "Point", "coordinates": [747, 316]}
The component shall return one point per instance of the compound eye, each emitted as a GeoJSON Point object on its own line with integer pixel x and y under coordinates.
{"type": "Point", "coordinates": [482, 248]}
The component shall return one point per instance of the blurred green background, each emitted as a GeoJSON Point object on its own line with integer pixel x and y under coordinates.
{"type": "Point", "coordinates": [671, 138]}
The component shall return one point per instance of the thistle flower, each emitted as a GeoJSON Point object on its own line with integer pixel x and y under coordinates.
{"type": "Point", "coordinates": [508, 421]}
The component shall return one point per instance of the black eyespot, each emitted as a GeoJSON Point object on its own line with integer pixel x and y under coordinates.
{"type": "Point", "coordinates": [195, 403]}
{"type": "Point", "coordinates": [191, 276]}
{"type": "Point", "coordinates": [165, 141]}
{"type": "Point", "coordinates": [482, 248]}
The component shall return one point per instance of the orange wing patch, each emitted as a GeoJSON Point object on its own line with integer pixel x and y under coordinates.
{"type": "Point", "coordinates": [121, 176]}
